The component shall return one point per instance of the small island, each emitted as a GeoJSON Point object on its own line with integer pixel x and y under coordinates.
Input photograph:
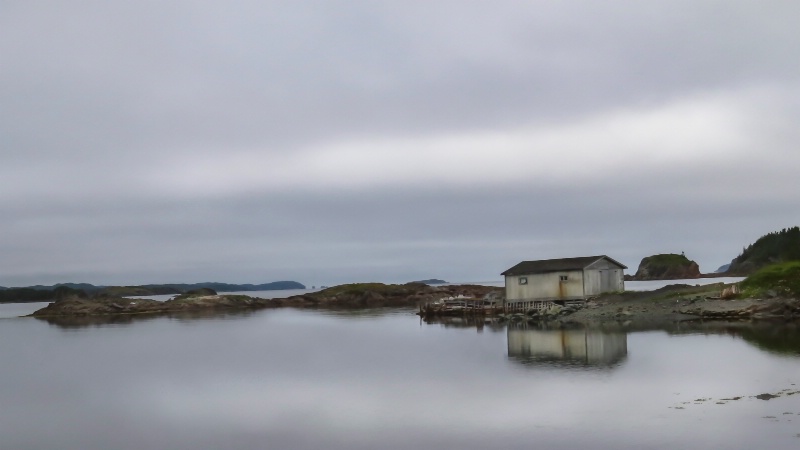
{"type": "Point", "coordinates": [668, 266]}
{"type": "Point", "coordinates": [431, 281]}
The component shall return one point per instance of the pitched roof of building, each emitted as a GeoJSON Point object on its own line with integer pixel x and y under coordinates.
{"type": "Point", "coordinates": [557, 265]}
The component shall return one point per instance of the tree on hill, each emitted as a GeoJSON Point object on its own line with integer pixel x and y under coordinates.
{"type": "Point", "coordinates": [775, 247]}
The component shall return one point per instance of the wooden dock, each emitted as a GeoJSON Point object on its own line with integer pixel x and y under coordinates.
{"type": "Point", "coordinates": [460, 306]}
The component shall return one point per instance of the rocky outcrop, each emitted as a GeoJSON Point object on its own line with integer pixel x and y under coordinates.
{"type": "Point", "coordinates": [667, 267]}
{"type": "Point", "coordinates": [367, 295]}
{"type": "Point", "coordinates": [75, 306]}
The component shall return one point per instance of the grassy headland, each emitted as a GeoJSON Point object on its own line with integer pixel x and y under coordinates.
{"type": "Point", "coordinates": [775, 280]}
{"type": "Point", "coordinates": [776, 247]}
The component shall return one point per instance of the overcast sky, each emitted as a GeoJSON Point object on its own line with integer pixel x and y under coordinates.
{"type": "Point", "coordinates": [331, 141]}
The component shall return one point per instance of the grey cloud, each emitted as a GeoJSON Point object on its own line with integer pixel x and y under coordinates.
{"type": "Point", "coordinates": [94, 94]}
{"type": "Point", "coordinates": [196, 72]}
{"type": "Point", "coordinates": [394, 235]}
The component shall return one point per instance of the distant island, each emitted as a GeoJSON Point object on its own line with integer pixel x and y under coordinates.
{"type": "Point", "coordinates": [161, 289]}
{"type": "Point", "coordinates": [41, 293]}
{"type": "Point", "coordinates": [431, 281]}
{"type": "Point", "coordinates": [668, 266]}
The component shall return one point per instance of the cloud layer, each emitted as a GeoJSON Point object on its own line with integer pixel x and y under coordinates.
{"type": "Point", "coordinates": [342, 141]}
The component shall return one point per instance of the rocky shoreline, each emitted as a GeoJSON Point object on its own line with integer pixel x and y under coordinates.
{"type": "Point", "coordinates": [368, 295]}
{"type": "Point", "coordinates": [670, 304]}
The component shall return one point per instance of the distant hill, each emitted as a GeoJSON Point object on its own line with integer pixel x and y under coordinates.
{"type": "Point", "coordinates": [86, 287]}
{"type": "Point", "coordinates": [776, 247]}
{"type": "Point", "coordinates": [668, 266]}
{"type": "Point", "coordinates": [431, 281]}
{"type": "Point", "coordinates": [723, 268]}
{"type": "Point", "coordinates": [161, 289]}
{"type": "Point", "coordinates": [44, 292]}
{"type": "Point", "coordinates": [22, 295]}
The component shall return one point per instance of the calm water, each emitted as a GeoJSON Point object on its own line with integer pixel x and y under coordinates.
{"type": "Point", "coordinates": [290, 379]}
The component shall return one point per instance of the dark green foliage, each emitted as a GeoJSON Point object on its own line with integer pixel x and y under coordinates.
{"type": "Point", "coordinates": [86, 287]}
{"type": "Point", "coordinates": [66, 291]}
{"type": "Point", "coordinates": [23, 295]}
{"type": "Point", "coordinates": [668, 260]}
{"type": "Point", "coordinates": [783, 279]}
{"type": "Point", "coordinates": [772, 248]}
{"type": "Point", "coordinates": [783, 340]}
{"type": "Point", "coordinates": [41, 293]}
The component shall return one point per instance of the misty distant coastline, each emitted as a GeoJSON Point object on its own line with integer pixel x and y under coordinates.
{"type": "Point", "coordinates": [41, 293]}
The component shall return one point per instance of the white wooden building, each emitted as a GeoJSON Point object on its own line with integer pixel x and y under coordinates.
{"type": "Point", "coordinates": [541, 284]}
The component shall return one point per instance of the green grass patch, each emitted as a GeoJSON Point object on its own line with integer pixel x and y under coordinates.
{"type": "Point", "coordinates": [783, 279]}
{"type": "Point", "coordinates": [669, 259]}
{"type": "Point", "coordinates": [356, 289]}
{"type": "Point", "coordinates": [664, 263]}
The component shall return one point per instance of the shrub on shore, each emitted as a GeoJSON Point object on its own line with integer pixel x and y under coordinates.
{"type": "Point", "coordinates": [783, 279]}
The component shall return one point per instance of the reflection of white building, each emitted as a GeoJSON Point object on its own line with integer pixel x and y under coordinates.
{"type": "Point", "coordinates": [582, 346]}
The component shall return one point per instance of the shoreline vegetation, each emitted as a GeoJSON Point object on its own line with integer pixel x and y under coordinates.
{"type": "Point", "coordinates": [361, 295]}
{"type": "Point", "coordinates": [770, 292]}
{"type": "Point", "coordinates": [773, 293]}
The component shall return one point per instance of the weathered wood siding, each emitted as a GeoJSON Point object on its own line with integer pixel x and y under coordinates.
{"type": "Point", "coordinates": [545, 286]}
{"type": "Point", "coordinates": [603, 276]}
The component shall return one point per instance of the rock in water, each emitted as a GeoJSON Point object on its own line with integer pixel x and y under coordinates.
{"type": "Point", "coordinates": [667, 267]}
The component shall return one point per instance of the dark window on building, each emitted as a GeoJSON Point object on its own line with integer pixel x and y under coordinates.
{"type": "Point", "coordinates": [563, 278]}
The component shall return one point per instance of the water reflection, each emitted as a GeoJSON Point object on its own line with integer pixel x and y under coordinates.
{"type": "Point", "coordinates": [74, 322]}
{"type": "Point", "coordinates": [532, 345]}
{"type": "Point", "coordinates": [295, 379]}
{"type": "Point", "coordinates": [480, 323]}
{"type": "Point", "coordinates": [779, 338]}
{"type": "Point", "coordinates": [362, 313]}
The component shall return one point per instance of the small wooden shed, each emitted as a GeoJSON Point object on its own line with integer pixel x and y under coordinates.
{"type": "Point", "coordinates": [540, 284]}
